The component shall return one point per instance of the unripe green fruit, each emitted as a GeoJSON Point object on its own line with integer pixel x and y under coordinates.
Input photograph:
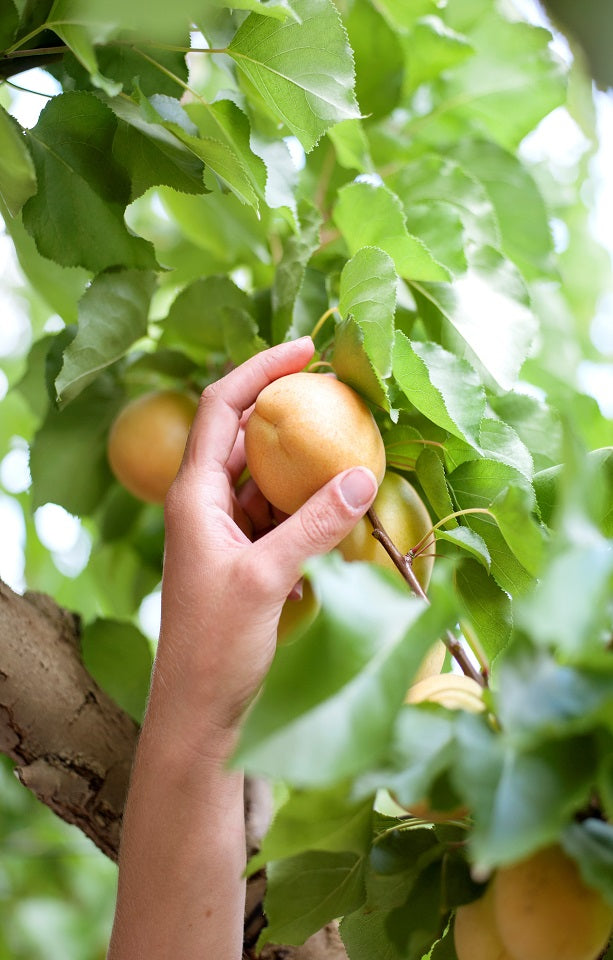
{"type": "Point", "coordinates": [146, 442]}
{"type": "Point", "coordinates": [305, 428]}
{"type": "Point", "coordinates": [297, 613]}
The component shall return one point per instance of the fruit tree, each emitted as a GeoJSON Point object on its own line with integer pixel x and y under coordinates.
{"type": "Point", "coordinates": [204, 180]}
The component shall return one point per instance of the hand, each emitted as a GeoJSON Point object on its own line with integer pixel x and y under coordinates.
{"type": "Point", "coordinates": [222, 593]}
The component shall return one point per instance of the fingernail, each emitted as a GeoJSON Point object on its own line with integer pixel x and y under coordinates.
{"type": "Point", "coordinates": [358, 487]}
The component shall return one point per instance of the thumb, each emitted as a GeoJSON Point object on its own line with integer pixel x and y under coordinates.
{"type": "Point", "coordinates": [320, 524]}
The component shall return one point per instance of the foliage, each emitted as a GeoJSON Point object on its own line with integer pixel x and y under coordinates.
{"type": "Point", "coordinates": [359, 162]}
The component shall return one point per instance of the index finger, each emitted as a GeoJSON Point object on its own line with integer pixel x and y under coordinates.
{"type": "Point", "coordinates": [216, 424]}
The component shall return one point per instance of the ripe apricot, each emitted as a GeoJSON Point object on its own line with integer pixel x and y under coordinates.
{"type": "Point", "coordinates": [147, 440]}
{"type": "Point", "coordinates": [305, 428]}
{"type": "Point", "coordinates": [544, 910]}
{"type": "Point", "coordinates": [475, 933]}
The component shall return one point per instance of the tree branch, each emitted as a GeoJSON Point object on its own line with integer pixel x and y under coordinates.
{"type": "Point", "coordinates": [405, 568]}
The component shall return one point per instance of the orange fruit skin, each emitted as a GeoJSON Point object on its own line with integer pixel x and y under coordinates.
{"type": "Point", "coordinates": [475, 933]}
{"type": "Point", "coordinates": [146, 442]}
{"type": "Point", "coordinates": [305, 428]}
{"type": "Point", "coordinates": [544, 910]}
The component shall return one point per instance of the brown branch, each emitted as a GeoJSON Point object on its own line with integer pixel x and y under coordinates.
{"type": "Point", "coordinates": [404, 565]}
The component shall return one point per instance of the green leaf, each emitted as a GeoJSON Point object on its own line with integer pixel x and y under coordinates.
{"type": "Point", "coordinates": [372, 636]}
{"type": "Point", "coordinates": [431, 475]}
{"type": "Point", "coordinates": [446, 208]}
{"type": "Point", "coordinates": [520, 209]}
{"type": "Point", "coordinates": [499, 441]}
{"type": "Point", "coordinates": [590, 843]}
{"type": "Point", "coordinates": [317, 820]}
{"type": "Point", "coordinates": [351, 145]}
{"type": "Point", "coordinates": [365, 936]}
{"type": "Point", "coordinates": [9, 21]}
{"type": "Point", "coordinates": [488, 315]}
{"type": "Point", "coordinates": [241, 335]}
{"type": "Point", "coordinates": [372, 216]}
{"type": "Point", "coordinates": [379, 59]}
{"type": "Point", "coordinates": [488, 608]}
{"type": "Point", "coordinates": [68, 454]}
{"type": "Point", "coordinates": [112, 316]}
{"type": "Point", "coordinates": [306, 892]}
{"type": "Point", "coordinates": [17, 174]}
{"type": "Point", "coordinates": [467, 540]}
{"type": "Point", "coordinates": [151, 154]}
{"type": "Point", "coordinates": [368, 292]}
{"type": "Point", "coordinates": [119, 658]}
{"type": "Point", "coordinates": [537, 424]}
{"type": "Point", "coordinates": [512, 510]}
{"type": "Point", "coordinates": [432, 48]}
{"type": "Point", "coordinates": [195, 321]}
{"type": "Point", "coordinates": [353, 365]}
{"type": "Point", "coordinates": [304, 71]}
{"type": "Point", "coordinates": [279, 9]}
{"type": "Point", "coordinates": [290, 272]}
{"type": "Point", "coordinates": [79, 42]}
{"type": "Point", "coordinates": [520, 800]}
{"type": "Point", "coordinates": [440, 385]}
{"type": "Point", "coordinates": [401, 15]}
{"type": "Point", "coordinates": [78, 219]}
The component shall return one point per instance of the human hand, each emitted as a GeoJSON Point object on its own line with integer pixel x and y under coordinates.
{"type": "Point", "coordinates": [222, 593]}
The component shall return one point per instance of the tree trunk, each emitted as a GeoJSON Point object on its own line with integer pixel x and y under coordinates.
{"type": "Point", "coordinates": [73, 746]}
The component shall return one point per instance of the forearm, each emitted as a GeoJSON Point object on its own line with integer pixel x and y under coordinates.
{"type": "Point", "coordinates": [182, 854]}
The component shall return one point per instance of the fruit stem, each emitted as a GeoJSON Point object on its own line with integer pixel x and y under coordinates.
{"type": "Point", "coordinates": [403, 563]}
{"type": "Point", "coordinates": [322, 320]}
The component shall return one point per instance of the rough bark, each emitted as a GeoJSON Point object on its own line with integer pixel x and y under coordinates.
{"type": "Point", "coordinates": [73, 747]}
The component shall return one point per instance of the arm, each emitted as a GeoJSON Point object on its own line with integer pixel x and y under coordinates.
{"type": "Point", "coordinates": [181, 891]}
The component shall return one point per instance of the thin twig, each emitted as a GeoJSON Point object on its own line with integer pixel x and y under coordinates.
{"type": "Point", "coordinates": [403, 564]}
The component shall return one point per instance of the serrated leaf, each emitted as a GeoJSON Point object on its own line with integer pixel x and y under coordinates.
{"type": "Point", "coordinates": [79, 42]}
{"type": "Point", "coordinates": [306, 892]}
{"type": "Point", "coordinates": [279, 9]}
{"type": "Point", "coordinates": [317, 820]}
{"type": "Point", "coordinates": [368, 292]}
{"type": "Point", "coordinates": [241, 335]}
{"type": "Point", "coordinates": [488, 313]}
{"type": "Point", "coordinates": [431, 475]}
{"type": "Point", "coordinates": [351, 145]}
{"type": "Point", "coordinates": [365, 936]}
{"type": "Point", "coordinates": [379, 58]}
{"type": "Point", "coordinates": [68, 454]}
{"type": "Point", "coordinates": [17, 174]}
{"type": "Point", "coordinates": [488, 608]}
{"type": "Point", "coordinates": [372, 216]}
{"type": "Point", "coordinates": [151, 154]}
{"type": "Point", "coordinates": [195, 321]}
{"type": "Point", "coordinates": [119, 658]}
{"type": "Point", "coordinates": [468, 540]}
{"type": "Point", "coordinates": [520, 209]}
{"type": "Point", "coordinates": [304, 71]}
{"type": "Point", "coordinates": [353, 365]}
{"type": "Point", "coordinates": [499, 441]}
{"type": "Point", "coordinates": [513, 510]}
{"type": "Point", "coordinates": [440, 385]}
{"type": "Point", "coordinates": [372, 635]}
{"type": "Point", "coordinates": [113, 314]}
{"type": "Point", "coordinates": [78, 220]}
{"type": "Point", "coordinates": [432, 48]}
{"type": "Point", "coordinates": [537, 424]}
{"type": "Point", "coordinates": [289, 275]}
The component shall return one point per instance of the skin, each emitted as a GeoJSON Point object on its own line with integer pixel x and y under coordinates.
{"type": "Point", "coordinates": [147, 440]}
{"type": "Point", "coordinates": [181, 891]}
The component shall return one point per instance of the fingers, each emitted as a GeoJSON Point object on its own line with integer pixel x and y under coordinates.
{"type": "Point", "coordinates": [216, 424]}
{"type": "Point", "coordinates": [318, 526]}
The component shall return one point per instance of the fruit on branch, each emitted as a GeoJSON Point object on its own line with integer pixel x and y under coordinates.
{"type": "Point", "coordinates": [544, 910]}
{"type": "Point", "coordinates": [405, 518]}
{"type": "Point", "coordinates": [305, 428]}
{"type": "Point", "coordinates": [297, 613]}
{"type": "Point", "coordinates": [454, 691]}
{"type": "Point", "coordinates": [475, 933]}
{"type": "Point", "coordinates": [147, 440]}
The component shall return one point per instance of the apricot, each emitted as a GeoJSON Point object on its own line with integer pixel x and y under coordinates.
{"type": "Point", "coordinates": [305, 428]}
{"type": "Point", "coordinates": [146, 442]}
{"type": "Point", "coordinates": [406, 519]}
{"type": "Point", "coordinates": [544, 910]}
{"type": "Point", "coordinates": [475, 933]}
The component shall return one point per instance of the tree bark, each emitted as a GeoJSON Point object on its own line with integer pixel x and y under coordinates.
{"type": "Point", "coordinates": [73, 747]}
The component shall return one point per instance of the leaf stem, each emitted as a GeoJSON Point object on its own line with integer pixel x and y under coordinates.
{"type": "Point", "coordinates": [322, 320]}
{"type": "Point", "coordinates": [457, 513]}
{"type": "Point", "coordinates": [404, 566]}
